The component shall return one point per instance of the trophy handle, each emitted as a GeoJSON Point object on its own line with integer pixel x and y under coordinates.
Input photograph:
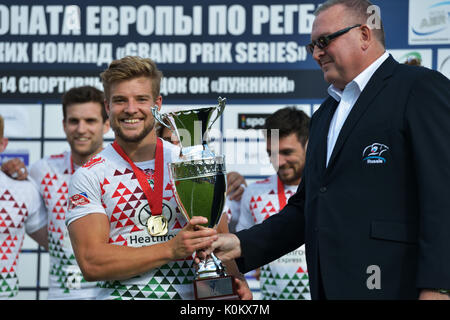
{"type": "Point", "coordinates": [160, 117]}
{"type": "Point", "coordinates": [218, 263]}
{"type": "Point", "coordinates": [220, 107]}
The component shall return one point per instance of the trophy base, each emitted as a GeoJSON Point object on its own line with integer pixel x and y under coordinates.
{"type": "Point", "coordinates": [215, 288]}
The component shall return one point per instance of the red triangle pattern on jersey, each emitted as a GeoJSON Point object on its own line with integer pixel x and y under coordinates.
{"type": "Point", "coordinates": [47, 182]}
{"type": "Point", "coordinates": [60, 207]}
{"type": "Point", "coordinates": [124, 209]}
{"type": "Point", "coordinates": [300, 270]}
{"type": "Point", "coordinates": [254, 206]}
{"type": "Point", "coordinates": [52, 229]}
{"type": "Point", "coordinates": [177, 225]}
{"type": "Point", "coordinates": [268, 210]}
{"type": "Point", "coordinates": [127, 171]}
{"type": "Point", "coordinates": [6, 196]}
{"type": "Point", "coordinates": [63, 189]}
{"type": "Point", "coordinates": [169, 188]}
{"type": "Point", "coordinates": [6, 245]}
{"type": "Point", "coordinates": [119, 240]}
{"type": "Point", "coordinates": [11, 218]}
{"type": "Point", "coordinates": [102, 186]}
{"type": "Point", "coordinates": [127, 201]}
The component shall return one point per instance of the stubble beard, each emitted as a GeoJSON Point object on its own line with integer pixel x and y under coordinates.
{"type": "Point", "coordinates": [133, 139]}
{"type": "Point", "coordinates": [291, 179]}
{"type": "Point", "coordinates": [86, 153]}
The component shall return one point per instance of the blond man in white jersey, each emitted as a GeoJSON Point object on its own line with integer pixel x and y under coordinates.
{"type": "Point", "coordinates": [115, 194]}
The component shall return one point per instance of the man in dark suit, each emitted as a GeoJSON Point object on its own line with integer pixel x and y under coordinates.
{"type": "Point", "coordinates": [373, 206]}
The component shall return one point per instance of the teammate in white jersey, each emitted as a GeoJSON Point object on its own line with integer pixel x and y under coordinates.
{"type": "Point", "coordinates": [286, 277]}
{"type": "Point", "coordinates": [21, 211]}
{"type": "Point", "coordinates": [115, 195]}
{"type": "Point", "coordinates": [85, 122]}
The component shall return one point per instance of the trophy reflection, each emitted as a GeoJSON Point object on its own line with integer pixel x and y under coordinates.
{"type": "Point", "coordinates": [199, 179]}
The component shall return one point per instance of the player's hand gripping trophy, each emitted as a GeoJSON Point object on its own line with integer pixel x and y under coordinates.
{"type": "Point", "coordinates": [199, 179]}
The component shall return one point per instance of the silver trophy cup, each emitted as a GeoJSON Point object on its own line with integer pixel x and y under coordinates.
{"type": "Point", "coordinates": [199, 179]}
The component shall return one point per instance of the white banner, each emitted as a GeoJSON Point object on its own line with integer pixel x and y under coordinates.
{"type": "Point", "coordinates": [429, 22]}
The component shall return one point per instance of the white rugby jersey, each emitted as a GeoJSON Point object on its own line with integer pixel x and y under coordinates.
{"type": "Point", "coordinates": [286, 277]}
{"type": "Point", "coordinates": [107, 184]}
{"type": "Point", "coordinates": [231, 209]}
{"type": "Point", "coordinates": [52, 174]}
{"type": "Point", "coordinates": [20, 211]}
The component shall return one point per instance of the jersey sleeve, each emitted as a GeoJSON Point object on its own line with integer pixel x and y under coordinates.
{"type": "Point", "coordinates": [37, 215]}
{"type": "Point", "coordinates": [85, 195]}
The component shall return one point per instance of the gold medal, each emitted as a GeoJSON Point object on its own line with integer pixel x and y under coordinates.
{"type": "Point", "coordinates": [157, 225]}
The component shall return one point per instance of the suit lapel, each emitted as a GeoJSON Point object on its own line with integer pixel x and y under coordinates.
{"type": "Point", "coordinates": [323, 130]}
{"type": "Point", "coordinates": [372, 89]}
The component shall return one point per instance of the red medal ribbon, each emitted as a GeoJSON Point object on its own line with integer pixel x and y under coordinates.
{"type": "Point", "coordinates": [154, 197]}
{"type": "Point", "coordinates": [72, 170]}
{"type": "Point", "coordinates": [281, 194]}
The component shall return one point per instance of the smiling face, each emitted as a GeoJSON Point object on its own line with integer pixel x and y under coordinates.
{"type": "Point", "coordinates": [84, 128]}
{"type": "Point", "coordinates": [289, 159]}
{"type": "Point", "coordinates": [129, 109]}
{"type": "Point", "coordinates": [341, 60]}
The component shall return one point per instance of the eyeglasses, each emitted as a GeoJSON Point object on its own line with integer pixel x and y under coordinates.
{"type": "Point", "coordinates": [323, 41]}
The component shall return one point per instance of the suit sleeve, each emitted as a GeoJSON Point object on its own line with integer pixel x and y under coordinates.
{"type": "Point", "coordinates": [428, 125]}
{"type": "Point", "coordinates": [276, 236]}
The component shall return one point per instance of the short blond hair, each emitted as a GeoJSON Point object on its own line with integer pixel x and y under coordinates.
{"type": "Point", "coordinates": [2, 126]}
{"type": "Point", "coordinates": [131, 67]}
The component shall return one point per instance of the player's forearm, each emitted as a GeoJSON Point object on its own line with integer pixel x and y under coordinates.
{"type": "Point", "coordinates": [100, 260]}
{"type": "Point", "coordinates": [41, 237]}
{"type": "Point", "coordinates": [113, 262]}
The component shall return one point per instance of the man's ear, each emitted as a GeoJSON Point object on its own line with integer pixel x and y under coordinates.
{"type": "Point", "coordinates": [106, 102]}
{"type": "Point", "coordinates": [106, 126]}
{"type": "Point", "coordinates": [158, 102]}
{"type": "Point", "coordinates": [3, 144]}
{"type": "Point", "coordinates": [64, 126]}
{"type": "Point", "coordinates": [366, 37]}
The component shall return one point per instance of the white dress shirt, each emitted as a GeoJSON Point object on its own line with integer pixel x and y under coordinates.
{"type": "Point", "coordinates": [347, 100]}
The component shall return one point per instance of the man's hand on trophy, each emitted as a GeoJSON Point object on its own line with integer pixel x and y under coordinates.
{"type": "Point", "coordinates": [235, 185]}
{"type": "Point", "coordinates": [192, 237]}
{"type": "Point", "coordinates": [227, 247]}
{"type": "Point", "coordinates": [15, 168]}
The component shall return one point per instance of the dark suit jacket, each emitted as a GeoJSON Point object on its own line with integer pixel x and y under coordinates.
{"type": "Point", "coordinates": [383, 200]}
